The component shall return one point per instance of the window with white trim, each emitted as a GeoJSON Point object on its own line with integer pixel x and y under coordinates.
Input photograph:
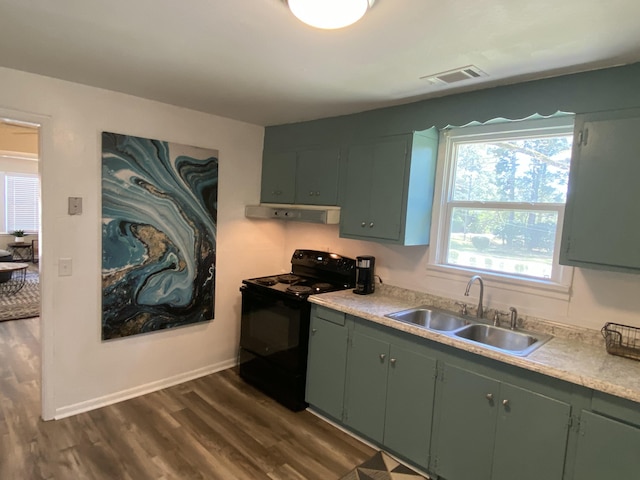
{"type": "Point", "coordinates": [502, 196]}
{"type": "Point", "coordinates": [21, 202]}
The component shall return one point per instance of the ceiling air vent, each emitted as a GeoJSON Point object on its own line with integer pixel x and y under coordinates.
{"type": "Point", "coordinates": [469, 72]}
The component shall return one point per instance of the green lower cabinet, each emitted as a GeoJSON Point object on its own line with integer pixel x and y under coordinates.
{"type": "Point", "coordinates": [491, 430]}
{"type": "Point", "coordinates": [466, 419]}
{"type": "Point", "coordinates": [531, 436]}
{"type": "Point", "coordinates": [390, 396]}
{"type": "Point", "coordinates": [326, 366]}
{"type": "Point", "coordinates": [367, 385]}
{"type": "Point", "coordinates": [471, 421]}
{"type": "Point", "coordinates": [409, 413]}
{"type": "Point", "coordinates": [607, 449]}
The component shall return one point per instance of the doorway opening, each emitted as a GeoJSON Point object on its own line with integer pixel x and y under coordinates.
{"type": "Point", "coordinates": [20, 227]}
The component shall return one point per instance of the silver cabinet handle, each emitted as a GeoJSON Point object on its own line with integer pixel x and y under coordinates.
{"type": "Point", "coordinates": [311, 194]}
{"type": "Point", "coordinates": [505, 402]}
{"type": "Point", "coordinates": [317, 194]}
{"type": "Point", "coordinates": [383, 356]}
{"type": "Point", "coordinates": [363, 224]}
{"type": "Point", "coordinates": [392, 361]}
{"type": "Point", "coordinates": [371, 225]}
{"type": "Point", "coordinates": [314, 330]}
{"type": "Point", "coordinates": [490, 396]}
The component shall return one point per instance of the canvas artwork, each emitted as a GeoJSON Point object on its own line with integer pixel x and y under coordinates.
{"type": "Point", "coordinates": [159, 213]}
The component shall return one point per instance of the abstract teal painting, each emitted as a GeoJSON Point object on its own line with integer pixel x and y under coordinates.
{"type": "Point", "coordinates": [159, 214]}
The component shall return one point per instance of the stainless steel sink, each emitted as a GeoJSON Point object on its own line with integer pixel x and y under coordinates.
{"type": "Point", "coordinates": [514, 342]}
{"type": "Point", "coordinates": [510, 341]}
{"type": "Point", "coordinates": [430, 318]}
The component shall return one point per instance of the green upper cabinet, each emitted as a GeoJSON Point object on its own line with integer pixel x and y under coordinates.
{"type": "Point", "coordinates": [317, 177]}
{"type": "Point", "coordinates": [305, 176]}
{"type": "Point", "coordinates": [600, 229]}
{"type": "Point", "coordinates": [278, 177]}
{"type": "Point", "coordinates": [388, 189]}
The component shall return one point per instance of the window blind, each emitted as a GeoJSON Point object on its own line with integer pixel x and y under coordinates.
{"type": "Point", "coordinates": [22, 200]}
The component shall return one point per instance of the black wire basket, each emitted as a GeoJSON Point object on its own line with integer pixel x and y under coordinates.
{"type": "Point", "coordinates": [622, 340]}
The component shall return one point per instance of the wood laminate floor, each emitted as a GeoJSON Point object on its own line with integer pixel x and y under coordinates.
{"type": "Point", "coordinates": [215, 427]}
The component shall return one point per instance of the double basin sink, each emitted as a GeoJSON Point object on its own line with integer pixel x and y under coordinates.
{"type": "Point", "coordinates": [514, 342]}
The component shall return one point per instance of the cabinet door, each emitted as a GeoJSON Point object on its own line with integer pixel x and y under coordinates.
{"type": "Point", "coordinates": [410, 392]}
{"type": "Point", "coordinates": [466, 418]}
{"type": "Point", "coordinates": [278, 177]}
{"type": "Point", "coordinates": [388, 185]}
{"type": "Point", "coordinates": [600, 230]}
{"type": "Point", "coordinates": [317, 177]}
{"type": "Point", "coordinates": [354, 215]}
{"type": "Point", "coordinates": [326, 367]}
{"type": "Point", "coordinates": [367, 385]}
{"type": "Point", "coordinates": [374, 189]}
{"type": "Point", "coordinates": [607, 449]}
{"type": "Point", "coordinates": [531, 436]}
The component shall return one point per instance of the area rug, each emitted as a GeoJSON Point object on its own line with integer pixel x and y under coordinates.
{"type": "Point", "coordinates": [382, 467]}
{"type": "Point", "coordinates": [25, 303]}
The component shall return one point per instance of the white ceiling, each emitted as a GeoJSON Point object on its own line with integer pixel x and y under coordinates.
{"type": "Point", "coordinates": [251, 60]}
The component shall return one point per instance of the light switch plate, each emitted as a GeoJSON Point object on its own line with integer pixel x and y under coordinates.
{"type": "Point", "coordinates": [64, 267]}
{"type": "Point", "coordinates": [75, 205]}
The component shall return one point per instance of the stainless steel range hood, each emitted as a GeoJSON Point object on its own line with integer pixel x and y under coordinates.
{"type": "Point", "coordinates": [297, 213]}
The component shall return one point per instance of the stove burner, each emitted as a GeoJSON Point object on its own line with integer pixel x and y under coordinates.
{"type": "Point", "coordinates": [288, 278]}
{"type": "Point", "coordinates": [267, 281]}
{"type": "Point", "coordinates": [299, 289]}
{"type": "Point", "coordinates": [321, 286]}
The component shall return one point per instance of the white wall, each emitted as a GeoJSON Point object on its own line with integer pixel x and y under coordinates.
{"type": "Point", "coordinates": [80, 371]}
{"type": "Point", "coordinates": [596, 296]}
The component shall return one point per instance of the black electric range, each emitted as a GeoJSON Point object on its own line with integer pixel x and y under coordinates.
{"type": "Point", "coordinates": [274, 327]}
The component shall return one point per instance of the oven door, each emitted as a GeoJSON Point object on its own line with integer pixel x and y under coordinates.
{"type": "Point", "coordinates": [276, 328]}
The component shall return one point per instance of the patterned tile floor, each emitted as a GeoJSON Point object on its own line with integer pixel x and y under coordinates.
{"type": "Point", "coordinates": [382, 467]}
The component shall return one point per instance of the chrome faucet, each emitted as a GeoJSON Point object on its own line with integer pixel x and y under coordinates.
{"type": "Point", "coordinates": [466, 294]}
{"type": "Point", "coordinates": [514, 318]}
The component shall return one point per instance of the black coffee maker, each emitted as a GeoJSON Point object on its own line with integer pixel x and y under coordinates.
{"type": "Point", "coordinates": [365, 271]}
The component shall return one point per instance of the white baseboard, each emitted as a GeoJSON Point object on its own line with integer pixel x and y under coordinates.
{"type": "Point", "coordinates": [94, 403]}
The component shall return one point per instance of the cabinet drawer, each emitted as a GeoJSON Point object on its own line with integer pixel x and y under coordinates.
{"type": "Point", "coordinates": [615, 407]}
{"type": "Point", "coordinates": [329, 315]}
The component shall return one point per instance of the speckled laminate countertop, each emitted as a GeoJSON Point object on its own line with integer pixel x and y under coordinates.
{"type": "Point", "coordinates": [575, 355]}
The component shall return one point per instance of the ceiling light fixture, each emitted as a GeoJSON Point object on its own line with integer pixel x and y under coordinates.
{"type": "Point", "coordinates": [329, 14]}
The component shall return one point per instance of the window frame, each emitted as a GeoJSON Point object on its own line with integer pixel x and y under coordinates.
{"type": "Point", "coordinates": [562, 276]}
